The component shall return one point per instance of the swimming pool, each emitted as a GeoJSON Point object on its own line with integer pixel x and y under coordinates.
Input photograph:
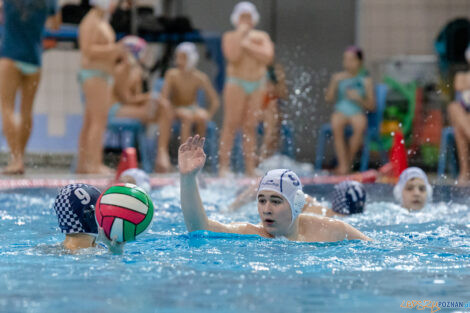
{"type": "Point", "coordinates": [421, 256]}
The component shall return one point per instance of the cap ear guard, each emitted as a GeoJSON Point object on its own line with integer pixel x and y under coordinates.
{"type": "Point", "coordinates": [299, 203]}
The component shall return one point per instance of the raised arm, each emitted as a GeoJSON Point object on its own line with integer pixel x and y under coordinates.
{"type": "Point", "coordinates": [231, 43]}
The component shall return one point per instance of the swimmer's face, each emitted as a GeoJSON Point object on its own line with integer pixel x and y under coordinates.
{"type": "Point", "coordinates": [351, 62]}
{"type": "Point", "coordinates": [274, 212]}
{"type": "Point", "coordinates": [414, 194]}
{"type": "Point", "coordinates": [181, 60]}
{"type": "Point", "coordinates": [245, 18]}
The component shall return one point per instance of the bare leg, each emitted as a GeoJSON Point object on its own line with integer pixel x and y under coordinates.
{"type": "Point", "coordinates": [201, 119]}
{"type": "Point", "coordinates": [459, 118]}
{"type": "Point", "coordinates": [250, 121]}
{"type": "Point", "coordinates": [359, 124]}
{"type": "Point", "coordinates": [98, 101]}
{"type": "Point", "coordinates": [338, 123]}
{"type": "Point", "coordinates": [271, 130]}
{"type": "Point", "coordinates": [234, 98]}
{"type": "Point", "coordinates": [462, 153]}
{"type": "Point", "coordinates": [165, 118]}
{"type": "Point", "coordinates": [186, 116]}
{"type": "Point", "coordinates": [456, 116]}
{"type": "Point", "coordinates": [10, 80]}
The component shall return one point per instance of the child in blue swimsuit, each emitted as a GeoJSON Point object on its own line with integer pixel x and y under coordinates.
{"type": "Point", "coordinates": [20, 64]}
{"type": "Point", "coordinates": [352, 93]}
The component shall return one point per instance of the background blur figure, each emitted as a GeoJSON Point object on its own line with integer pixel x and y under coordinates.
{"type": "Point", "coordinates": [137, 177]}
{"type": "Point", "coordinates": [247, 52]}
{"type": "Point", "coordinates": [413, 190]}
{"type": "Point", "coordinates": [20, 69]}
{"type": "Point", "coordinates": [276, 90]}
{"type": "Point", "coordinates": [459, 115]}
{"type": "Point", "coordinates": [181, 87]}
{"type": "Point", "coordinates": [99, 56]}
{"type": "Point", "coordinates": [352, 92]}
{"type": "Point", "coordinates": [129, 100]}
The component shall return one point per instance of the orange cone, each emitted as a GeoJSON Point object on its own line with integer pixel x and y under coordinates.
{"type": "Point", "coordinates": [128, 160]}
{"type": "Point", "coordinates": [398, 155]}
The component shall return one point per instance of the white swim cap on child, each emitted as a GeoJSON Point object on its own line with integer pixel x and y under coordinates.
{"type": "Point", "coordinates": [190, 50]}
{"type": "Point", "coordinates": [102, 4]}
{"type": "Point", "coordinates": [141, 178]}
{"type": "Point", "coordinates": [288, 185]}
{"type": "Point", "coordinates": [406, 175]}
{"type": "Point", "coordinates": [244, 7]}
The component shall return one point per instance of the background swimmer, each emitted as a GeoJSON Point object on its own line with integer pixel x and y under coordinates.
{"type": "Point", "coordinates": [137, 177]}
{"type": "Point", "coordinates": [413, 190]}
{"type": "Point", "coordinates": [75, 210]}
{"type": "Point", "coordinates": [280, 201]}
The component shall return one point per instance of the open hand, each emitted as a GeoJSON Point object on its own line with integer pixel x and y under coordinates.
{"type": "Point", "coordinates": [114, 246]}
{"type": "Point", "coordinates": [191, 156]}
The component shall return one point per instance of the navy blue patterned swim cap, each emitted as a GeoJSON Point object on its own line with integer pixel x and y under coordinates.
{"type": "Point", "coordinates": [75, 208]}
{"type": "Point", "coordinates": [349, 197]}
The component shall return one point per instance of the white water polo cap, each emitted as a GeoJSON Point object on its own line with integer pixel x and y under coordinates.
{"type": "Point", "coordinates": [192, 55]}
{"type": "Point", "coordinates": [102, 4]}
{"type": "Point", "coordinates": [141, 178]}
{"type": "Point", "coordinates": [288, 185]}
{"type": "Point", "coordinates": [244, 7]}
{"type": "Point", "coordinates": [405, 176]}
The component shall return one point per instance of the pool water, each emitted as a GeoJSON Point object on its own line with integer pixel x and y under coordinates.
{"type": "Point", "coordinates": [421, 256]}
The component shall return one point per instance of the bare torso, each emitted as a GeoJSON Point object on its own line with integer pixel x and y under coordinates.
{"type": "Point", "coordinates": [94, 30]}
{"type": "Point", "coordinates": [183, 86]}
{"type": "Point", "coordinates": [245, 66]}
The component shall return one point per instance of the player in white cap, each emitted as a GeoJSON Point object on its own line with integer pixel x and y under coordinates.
{"type": "Point", "coordinates": [280, 202]}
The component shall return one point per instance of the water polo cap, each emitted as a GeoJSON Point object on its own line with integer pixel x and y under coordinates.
{"type": "Point", "coordinates": [75, 208]}
{"type": "Point", "coordinates": [288, 185]}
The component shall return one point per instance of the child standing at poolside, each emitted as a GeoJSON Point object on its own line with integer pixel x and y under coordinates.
{"type": "Point", "coordinates": [247, 52]}
{"type": "Point", "coordinates": [99, 56]}
{"type": "Point", "coordinates": [20, 69]}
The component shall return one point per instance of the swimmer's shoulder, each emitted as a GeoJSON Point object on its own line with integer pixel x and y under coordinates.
{"type": "Point", "coordinates": [320, 228]}
{"type": "Point", "coordinates": [249, 229]}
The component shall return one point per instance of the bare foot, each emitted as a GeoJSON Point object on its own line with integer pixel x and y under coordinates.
{"type": "Point", "coordinates": [340, 171]}
{"type": "Point", "coordinates": [14, 168]}
{"type": "Point", "coordinates": [224, 172]}
{"type": "Point", "coordinates": [463, 180]}
{"type": "Point", "coordinates": [163, 164]}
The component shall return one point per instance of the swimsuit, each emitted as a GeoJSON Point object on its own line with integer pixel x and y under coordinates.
{"type": "Point", "coordinates": [86, 74]}
{"type": "Point", "coordinates": [23, 31]}
{"type": "Point", "coordinates": [26, 68]}
{"type": "Point", "coordinates": [248, 86]}
{"type": "Point", "coordinates": [344, 104]}
{"type": "Point", "coordinates": [463, 97]}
